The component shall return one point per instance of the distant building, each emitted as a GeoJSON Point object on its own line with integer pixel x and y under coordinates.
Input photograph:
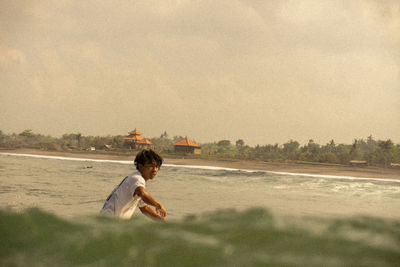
{"type": "Point", "coordinates": [358, 163]}
{"type": "Point", "coordinates": [135, 140]}
{"type": "Point", "coordinates": [395, 165]}
{"type": "Point", "coordinates": [187, 146]}
{"type": "Point", "coordinates": [107, 147]}
{"type": "Point", "coordinates": [144, 144]}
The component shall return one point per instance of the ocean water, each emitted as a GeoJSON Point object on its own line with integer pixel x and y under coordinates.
{"type": "Point", "coordinates": [50, 206]}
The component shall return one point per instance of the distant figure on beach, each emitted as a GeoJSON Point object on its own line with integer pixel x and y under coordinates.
{"type": "Point", "coordinates": [131, 192]}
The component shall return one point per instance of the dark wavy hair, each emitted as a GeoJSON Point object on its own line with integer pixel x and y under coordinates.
{"type": "Point", "coordinates": [148, 156]}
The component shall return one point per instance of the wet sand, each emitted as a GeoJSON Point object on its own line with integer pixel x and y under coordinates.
{"type": "Point", "coordinates": [289, 167]}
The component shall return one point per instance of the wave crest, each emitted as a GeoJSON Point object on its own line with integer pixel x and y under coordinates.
{"type": "Point", "coordinates": [226, 237]}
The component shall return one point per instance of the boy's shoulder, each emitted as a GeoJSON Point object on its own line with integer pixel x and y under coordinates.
{"type": "Point", "coordinates": [136, 176]}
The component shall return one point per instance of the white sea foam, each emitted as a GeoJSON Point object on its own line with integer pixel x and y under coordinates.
{"type": "Point", "coordinates": [208, 168]}
{"type": "Point", "coordinates": [285, 173]}
{"type": "Point", "coordinates": [67, 158]}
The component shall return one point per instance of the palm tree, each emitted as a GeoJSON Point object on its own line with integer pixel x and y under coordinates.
{"type": "Point", "coordinates": [78, 139]}
{"type": "Point", "coordinates": [386, 147]}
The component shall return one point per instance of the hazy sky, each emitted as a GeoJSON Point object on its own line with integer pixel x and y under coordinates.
{"type": "Point", "coordinates": [263, 71]}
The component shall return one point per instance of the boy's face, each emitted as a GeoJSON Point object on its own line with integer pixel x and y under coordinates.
{"type": "Point", "coordinates": [149, 170]}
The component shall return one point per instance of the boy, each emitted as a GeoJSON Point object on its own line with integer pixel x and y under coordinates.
{"type": "Point", "coordinates": [131, 192]}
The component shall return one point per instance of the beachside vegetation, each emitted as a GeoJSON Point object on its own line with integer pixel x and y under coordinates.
{"type": "Point", "coordinates": [369, 151]}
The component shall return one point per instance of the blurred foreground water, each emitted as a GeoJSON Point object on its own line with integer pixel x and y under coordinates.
{"type": "Point", "coordinates": [226, 238]}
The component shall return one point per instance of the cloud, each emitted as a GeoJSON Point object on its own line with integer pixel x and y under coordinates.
{"type": "Point", "coordinates": [10, 56]}
{"type": "Point", "coordinates": [384, 18]}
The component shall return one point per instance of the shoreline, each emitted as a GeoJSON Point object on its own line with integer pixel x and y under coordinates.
{"type": "Point", "coordinates": [300, 168]}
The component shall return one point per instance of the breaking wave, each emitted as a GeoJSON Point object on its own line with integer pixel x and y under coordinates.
{"type": "Point", "coordinates": [252, 237]}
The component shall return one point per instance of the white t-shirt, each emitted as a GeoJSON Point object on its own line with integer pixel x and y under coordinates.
{"type": "Point", "coordinates": [121, 201]}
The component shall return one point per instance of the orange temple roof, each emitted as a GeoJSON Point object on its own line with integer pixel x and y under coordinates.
{"type": "Point", "coordinates": [186, 142]}
{"type": "Point", "coordinates": [145, 142]}
{"type": "Point", "coordinates": [135, 132]}
{"type": "Point", "coordinates": [135, 138]}
{"type": "Point", "coordinates": [134, 135]}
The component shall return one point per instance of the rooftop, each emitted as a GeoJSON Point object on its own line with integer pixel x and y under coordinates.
{"type": "Point", "coordinates": [186, 142]}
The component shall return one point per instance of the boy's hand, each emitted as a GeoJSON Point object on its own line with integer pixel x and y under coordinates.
{"type": "Point", "coordinates": [161, 211]}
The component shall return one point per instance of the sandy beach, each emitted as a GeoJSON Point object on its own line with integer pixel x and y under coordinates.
{"type": "Point", "coordinates": [304, 168]}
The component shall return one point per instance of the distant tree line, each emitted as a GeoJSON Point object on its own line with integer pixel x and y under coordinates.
{"type": "Point", "coordinates": [373, 152]}
{"type": "Point", "coordinates": [77, 141]}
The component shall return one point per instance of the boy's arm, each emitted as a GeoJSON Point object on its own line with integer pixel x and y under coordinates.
{"type": "Point", "coordinates": [149, 212]}
{"type": "Point", "coordinates": [149, 199]}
